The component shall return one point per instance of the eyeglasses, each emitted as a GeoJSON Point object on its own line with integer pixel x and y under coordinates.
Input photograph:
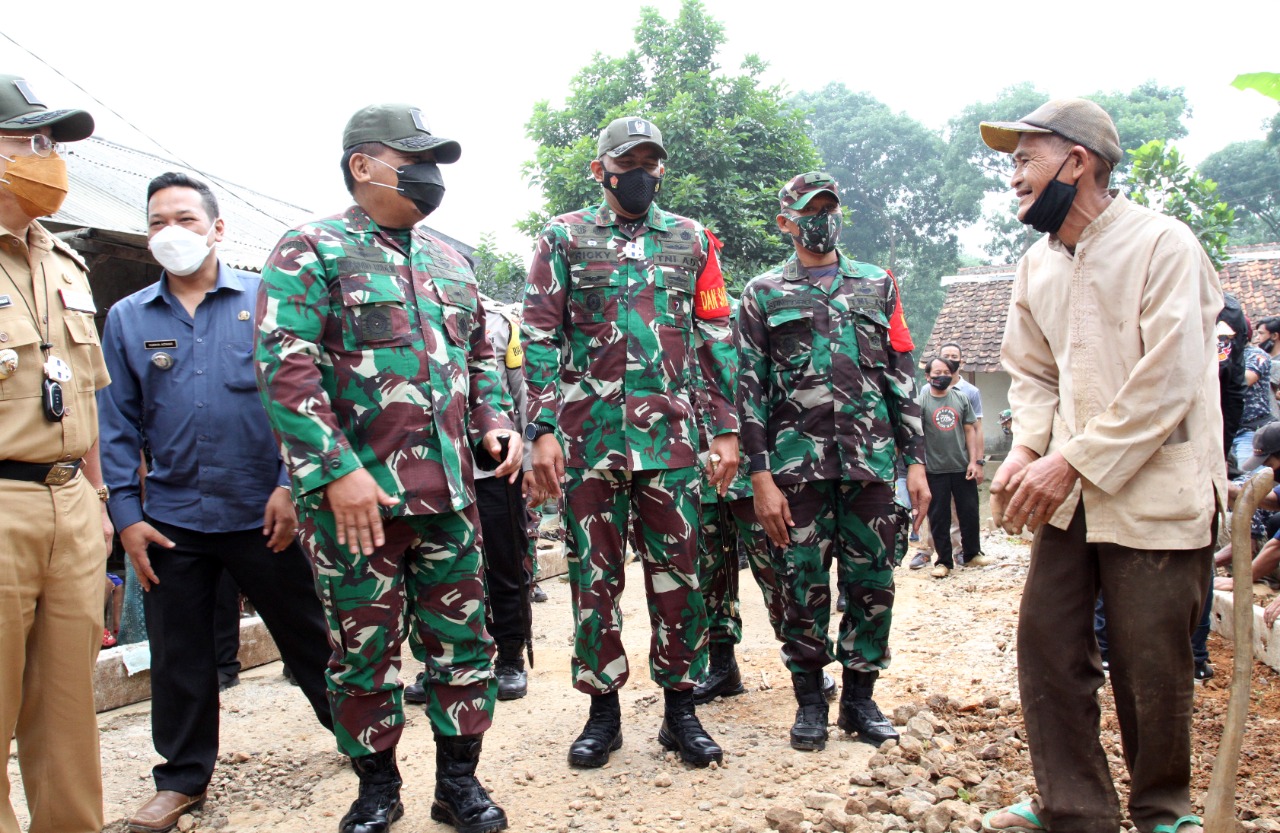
{"type": "Point", "coordinates": [41, 145]}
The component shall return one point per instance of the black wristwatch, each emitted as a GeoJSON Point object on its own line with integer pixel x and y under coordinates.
{"type": "Point", "coordinates": [537, 429]}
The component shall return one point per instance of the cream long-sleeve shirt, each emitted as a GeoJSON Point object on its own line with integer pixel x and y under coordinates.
{"type": "Point", "coordinates": [1113, 362]}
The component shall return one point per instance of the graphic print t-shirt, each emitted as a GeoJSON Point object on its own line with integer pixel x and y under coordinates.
{"type": "Point", "coordinates": [944, 418]}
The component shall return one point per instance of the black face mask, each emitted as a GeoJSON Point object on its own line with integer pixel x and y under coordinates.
{"type": "Point", "coordinates": [1268, 345]}
{"type": "Point", "coordinates": [940, 382]}
{"type": "Point", "coordinates": [1048, 212]}
{"type": "Point", "coordinates": [421, 183]}
{"type": "Point", "coordinates": [634, 190]}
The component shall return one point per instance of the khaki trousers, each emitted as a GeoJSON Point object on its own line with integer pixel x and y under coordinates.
{"type": "Point", "coordinates": [1153, 599]}
{"type": "Point", "coordinates": [52, 570]}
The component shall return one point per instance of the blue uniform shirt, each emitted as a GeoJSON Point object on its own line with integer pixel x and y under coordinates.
{"type": "Point", "coordinates": [185, 389]}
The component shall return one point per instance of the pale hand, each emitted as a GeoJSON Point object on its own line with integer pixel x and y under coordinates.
{"type": "Point", "coordinates": [354, 499]}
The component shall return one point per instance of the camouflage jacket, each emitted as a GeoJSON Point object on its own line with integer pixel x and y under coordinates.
{"type": "Point", "coordinates": [826, 388]}
{"type": "Point", "coordinates": [617, 327]}
{"type": "Point", "coordinates": [371, 356]}
{"type": "Point", "coordinates": [726, 367]}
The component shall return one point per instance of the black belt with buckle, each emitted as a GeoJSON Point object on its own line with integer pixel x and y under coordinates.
{"type": "Point", "coordinates": [50, 475]}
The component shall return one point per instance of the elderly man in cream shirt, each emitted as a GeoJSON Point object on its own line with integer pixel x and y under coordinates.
{"type": "Point", "coordinates": [1117, 467]}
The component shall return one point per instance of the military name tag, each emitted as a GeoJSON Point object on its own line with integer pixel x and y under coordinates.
{"type": "Point", "coordinates": [792, 302]}
{"type": "Point", "coordinates": [77, 301]}
{"type": "Point", "coordinates": [359, 266]}
{"type": "Point", "coordinates": [160, 344]}
{"type": "Point", "coordinates": [682, 282]}
{"type": "Point", "coordinates": [5, 301]}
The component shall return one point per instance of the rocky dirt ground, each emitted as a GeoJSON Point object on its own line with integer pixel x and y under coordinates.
{"type": "Point", "coordinates": [952, 690]}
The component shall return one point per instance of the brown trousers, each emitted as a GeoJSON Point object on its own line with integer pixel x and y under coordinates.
{"type": "Point", "coordinates": [1153, 599]}
{"type": "Point", "coordinates": [52, 571]}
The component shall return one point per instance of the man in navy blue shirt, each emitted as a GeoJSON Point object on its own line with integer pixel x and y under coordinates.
{"type": "Point", "coordinates": [217, 493]}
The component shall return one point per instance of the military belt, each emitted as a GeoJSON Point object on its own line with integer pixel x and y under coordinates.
{"type": "Point", "coordinates": [54, 474]}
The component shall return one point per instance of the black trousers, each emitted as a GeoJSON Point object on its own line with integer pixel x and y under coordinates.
{"type": "Point", "coordinates": [945, 488]}
{"type": "Point", "coordinates": [180, 627]}
{"type": "Point", "coordinates": [226, 629]}
{"type": "Point", "coordinates": [505, 538]}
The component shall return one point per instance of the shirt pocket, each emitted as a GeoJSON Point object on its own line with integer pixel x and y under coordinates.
{"type": "Point", "coordinates": [594, 293]}
{"type": "Point", "coordinates": [19, 335]}
{"type": "Point", "coordinates": [375, 313]}
{"type": "Point", "coordinates": [458, 301]}
{"type": "Point", "coordinates": [83, 344]}
{"type": "Point", "coordinates": [791, 336]}
{"type": "Point", "coordinates": [237, 365]}
{"type": "Point", "coordinates": [674, 298]}
{"type": "Point", "coordinates": [872, 327]}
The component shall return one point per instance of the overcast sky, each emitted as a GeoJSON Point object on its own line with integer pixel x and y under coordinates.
{"type": "Point", "coordinates": [258, 92]}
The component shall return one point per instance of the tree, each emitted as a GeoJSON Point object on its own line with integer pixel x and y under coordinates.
{"type": "Point", "coordinates": [1248, 177]}
{"type": "Point", "coordinates": [1161, 180]}
{"type": "Point", "coordinates": [500, 274]}
{"type": "Point", "coordinates": [732, 142]}
{"type": "Point", "coordinates": [893, 187]}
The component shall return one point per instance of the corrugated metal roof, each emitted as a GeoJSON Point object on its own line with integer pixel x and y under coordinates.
{"type": "Point", "coordinates": [108, 192]}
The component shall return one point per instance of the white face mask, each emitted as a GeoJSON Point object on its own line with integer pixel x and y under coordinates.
{"type": "Point", "coordinates": [179, 250]}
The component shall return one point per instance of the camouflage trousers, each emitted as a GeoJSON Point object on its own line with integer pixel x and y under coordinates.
{"type": "Point", "coordinates": [730, 527]}
{"type": "Point", "coordinates": [662, 506]}
{"type": "Point", "coordinates": [856, 522]}
{"type": "Point", "coordinates": [424, 582]}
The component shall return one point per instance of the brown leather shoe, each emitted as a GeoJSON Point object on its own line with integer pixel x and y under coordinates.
{"type": "Point", "coordinates": [162, 812]}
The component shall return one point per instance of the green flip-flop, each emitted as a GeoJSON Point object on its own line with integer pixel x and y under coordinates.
{"type": "Point", "coordinates": [1177, 825]}
{"type": "Point", "coordinates": [1023, 811]}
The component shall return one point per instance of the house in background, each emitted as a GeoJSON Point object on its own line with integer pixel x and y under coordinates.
{"type": "Point", "coordinates": [977, 302]}
{"type": "Point", "coordinates": [104, 218]}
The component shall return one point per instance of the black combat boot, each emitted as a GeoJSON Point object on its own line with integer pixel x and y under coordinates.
{"type": "Point", "coordinates": [859, 714]}
{"type": "Point", "coordinates": [377, 806]}
{"type": "Point", "coordinates": [416, 692]}
{"type": "Point", "coordinates": [723, 679]}
{"type": "Point", "coordinates": [460, 798]}
{"type": "Point", "coordinates": [809, 732]}
{"type": "Point", "coordinates": [681, 732]}
{"type": "Point", "coordinates": [601, 735]}
{"type": "Point", "coordinates": [513, 682]}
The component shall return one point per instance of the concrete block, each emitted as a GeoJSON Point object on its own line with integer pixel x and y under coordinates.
{"type": "Point", "coordinates": [1266, 641]}
{"type": "Point", "coordinates": [551, 560]}
{"type": "Point", "coordinates": [114, 686]}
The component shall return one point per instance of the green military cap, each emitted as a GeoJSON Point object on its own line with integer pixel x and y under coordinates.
{"type": "Point", "coordinates": [796, 194]}
{"type": "Point", "coordinates": [20, 109]}
{"type": "Point", "coordinates": [399, 126]}
{"type": "Point", "coordinates": [625, 133]}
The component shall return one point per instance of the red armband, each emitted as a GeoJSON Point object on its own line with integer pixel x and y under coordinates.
{"type": "Point", "coordinates": [711, 300]}
{"type": "Point", "coordinates": [899, 335]}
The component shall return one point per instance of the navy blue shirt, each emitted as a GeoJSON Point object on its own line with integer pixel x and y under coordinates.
{"type": "Point", "coordinates": [185, 389]}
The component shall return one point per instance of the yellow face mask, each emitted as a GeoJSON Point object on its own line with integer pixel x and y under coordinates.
{"type": "Point", "coordinates": [38, 183]}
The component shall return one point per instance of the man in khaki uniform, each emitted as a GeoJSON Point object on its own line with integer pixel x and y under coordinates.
{"type": "Point", "coordinates": [52, 552]}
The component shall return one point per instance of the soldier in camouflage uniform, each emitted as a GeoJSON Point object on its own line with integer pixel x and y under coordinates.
{"type": "Point", "coordinates": [624, 307]}
{"type": "Point", "coordinates": [827, 400]}
{"type": "Point", "coordinates": [378, 379]}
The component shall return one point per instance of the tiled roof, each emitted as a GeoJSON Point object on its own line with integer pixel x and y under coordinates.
{"type": "Point", "coordinates": [973, 314]}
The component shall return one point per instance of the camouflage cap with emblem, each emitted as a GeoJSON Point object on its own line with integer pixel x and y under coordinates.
{"type": "Point", "coordinates": [20, 109]}
{"type": "Point", "coordinates": [796, 194]}
{"type": "Point", "coordinates": [625, 133]}
{"type": "Point", "coordinates": [398, 126]}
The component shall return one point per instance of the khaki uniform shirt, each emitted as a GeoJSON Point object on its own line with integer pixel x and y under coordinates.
{"type": "Point", "coordinates": [1114, 363]}
{"type": "Point", "coordinates": [42, 277]}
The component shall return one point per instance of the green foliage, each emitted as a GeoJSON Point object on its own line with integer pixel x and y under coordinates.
{"type": "Point", "coordinates": [893, 186]}
{"type": "Point", "coordinates": [1248, 177]}
{"type": "Point", "coordinates": [1010, 238]}
{"type": "Point", "coordinates": [500, 274]}
{"type": "Point", "coordinates": [1161, 180]}
{"type": "Point", "coordinates": [1267, 83]}
{"type": "Point", "coordinates": [1146, 112]}
{"type": "Point", "coordinates": [732, 142]}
